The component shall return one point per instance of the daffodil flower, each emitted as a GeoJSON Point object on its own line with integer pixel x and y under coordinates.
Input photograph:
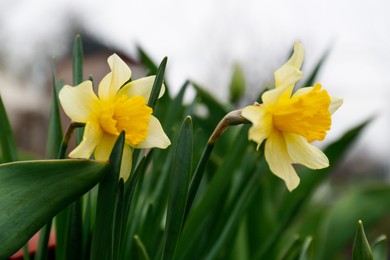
{"type": "Point", "coordinates": [291, 121]}
{"type": "Point", "coordinates": [117, 107]}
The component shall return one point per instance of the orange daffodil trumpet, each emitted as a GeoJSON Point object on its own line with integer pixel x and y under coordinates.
{"type": "Point", "coordinates": [117, 107]}
{"type": "Point", "coordinates": [291, 121]}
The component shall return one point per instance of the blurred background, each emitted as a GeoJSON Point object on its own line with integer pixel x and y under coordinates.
{"type": "Point", "coordinates": [204, 40]}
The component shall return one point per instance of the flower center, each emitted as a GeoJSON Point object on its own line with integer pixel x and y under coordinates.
{"type": "Point", "coordinates": [307, 114]}
{"type": "Point", "coordinates": [128, 114]}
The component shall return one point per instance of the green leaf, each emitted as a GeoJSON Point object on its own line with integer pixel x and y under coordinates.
{"type": "Point", "coordinates": [291, 250]}
{"type": "Point", "coordinates": [197, 223]}
{"type": "Point", "coordinates": [235, 216]}
{"type": "Point", "coordinates": [32, 192]}
{"type": "Point", "coordinates": [118, 220]}
{"type": "Point", "coordinates": [237, 84]}
{"type": "Point", "coordinates": [78, 60]}
{"type": "Point", "coordinates": [175, 110]}
{"type": "Point", "coordinates": [103, 237]}
{"type": "Point", "coordinates": [304, 253]}
{"type": "Point", "coordinates": [379, 248]}
{"type": "Point", "coordinates": [361, 248]}
{"type": "Point", "coordinates": [7, 141]}
{"type": "Point", "coordinates": [216, 110]}
{"type": "Point", "coordinates": [70, 219]}
{"type": "Point", "coordinates": [55, 133]}
{"type": "Point", "coordinates": [52, 148]}
{"type": "Point", "coordinates": [147, 61]}
{"type": "Point", "coordinates": [197, 177]}
{"type": "Point", "coordinates": [157, 84]}
{"type": "Point", "coordinates": [78, 73]}
{"type": "Point", "coordinates": [311, 80]}
{"type": "Point", "coordinates": [337, 231]}
{"type": "Point", "coordinates": [131, 185]}
{"type": "Point", "coordinates": [141, 248]}
{"type": "Point", "coordinates": [179, 182]}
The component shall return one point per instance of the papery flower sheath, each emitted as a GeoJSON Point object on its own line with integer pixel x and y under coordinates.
{"type": "Point", "coordinates": [117, 107]}
{"type": "Point", "coordinates": [289, 121]}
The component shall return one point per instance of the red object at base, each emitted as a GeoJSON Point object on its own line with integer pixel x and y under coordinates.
{"type": "Point", "coordinates": [33, 244]}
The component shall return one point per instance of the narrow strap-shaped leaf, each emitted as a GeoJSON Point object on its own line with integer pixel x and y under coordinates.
{"type": "Point", "coordinates": [69, 221]}
{"type": "Point", "coordinates": [119, 224]}
{"type": "Point", "coordinates": [26, 253]}
{"type": "Point", "coordinates": [237, 84]}
{"type": "Point", "coordinates": [178, 190]}
{"type": "Point", "coordinates": [26, 186]}
{"type": "Point", "coordinates": [304, 254]}
{"type": "Point", "coordinates": [55, 133]}
{"type": "Point", "coordinates": [235, 216]}
{"type": "Point", "coordinates": [53, 145]}
{"type": "Point", "coordinates": [217, 110]}
{"type": "Point", "coordinates": [87, 226]}
{"type": "Point", "coordinates": [314, 74]}
{"type": "Point", "coordinates": [102, 240]}
{"type": "Point", "coordinates": [132, 190]}
{"type": "Point", "coordinates": [291, 249]}
{"type": "Point", "coordinates": [78, 72]}
{"type": "Point", "coordinates": [7, 141]}
{"type": "Point", "coordinates": [74, 228]}
{"type": "Point", "coordinates": [157, 84]}
{"type": "Point", "coordinates": [141, 248]}
{"type": "Point", "coordinates": [147, 61]}
{"type": "Point", "coordinates": [175, 109]}
{"type": "Point", "coordinates": [379, 248]}
{"type": "Point", "coordinates": [361, 248]}
{"type": "Point", "coordinates": [197, 221]}
{"type": "Point", "coordinates": [78, 60]}
{"type": "Point", "coordinates": [197, 177]}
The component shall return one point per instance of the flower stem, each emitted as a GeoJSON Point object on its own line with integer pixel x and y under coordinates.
{"type": "Point", "coordinates": [232, 118]}
{"type": "Point", "coordinates": [65, 140]}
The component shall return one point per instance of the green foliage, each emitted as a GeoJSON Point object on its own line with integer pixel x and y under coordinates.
{"type": "Point", "coordinates": [27, 186]}
{"type": "Point", "coordinates": [178, 189]}
{"type": "Point", "coordinates": [109, 199]}
{"type": "Point", "coordinates": [237, 84]}
{"type": "Point", "coordinates": [361, 249]}
{"type": "Point", "coordinates": [7, 141]}
{"type": "Point", "coordinates": [194, 200]}
{"type": "Point", "coordinates": [379, 248]}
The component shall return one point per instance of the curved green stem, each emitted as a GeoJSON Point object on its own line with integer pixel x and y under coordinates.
{"type": "Point", "coordinates": [232, 118]}
{"type": "Point", "coordinates": [65, 141]}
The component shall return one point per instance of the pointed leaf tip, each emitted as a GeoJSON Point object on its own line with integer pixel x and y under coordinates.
{"type": "Point", "coordinates": [361, 248]}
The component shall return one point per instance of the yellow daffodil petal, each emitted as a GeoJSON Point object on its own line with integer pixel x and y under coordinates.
{"type": "Point", "coordinates": [91, 138]}
{"type": "Point", "coordinates": [302, 91]}
{"type": "Point", "coordinates": [126, 163]}
{"type": "Point", "coordinates": [79, 103]}
{"type": "Point", "coordinates": [261, 123]}
{"type": "Point", "coordinates": [335, 103]}
{"type": "Point", "coordinates": [140, 87]}
{"type": "Point", "coordinates": [290, 73]}
{"type": "Point", "coordinates": [120, 73]}
{"type": "Point", "coordinates": [302, 152]}
{"type": "Point", "coordinates": [271, 97]}
{"type": "Point", "coordinates": [104, 148]}
{"type": "Point", "coordinates": [279, 160]}
{"type": "Point", "coordinates": [156, 136]}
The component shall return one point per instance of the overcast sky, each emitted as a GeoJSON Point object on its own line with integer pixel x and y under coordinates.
{"type": "Point", "coordinates": [204, 38]}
